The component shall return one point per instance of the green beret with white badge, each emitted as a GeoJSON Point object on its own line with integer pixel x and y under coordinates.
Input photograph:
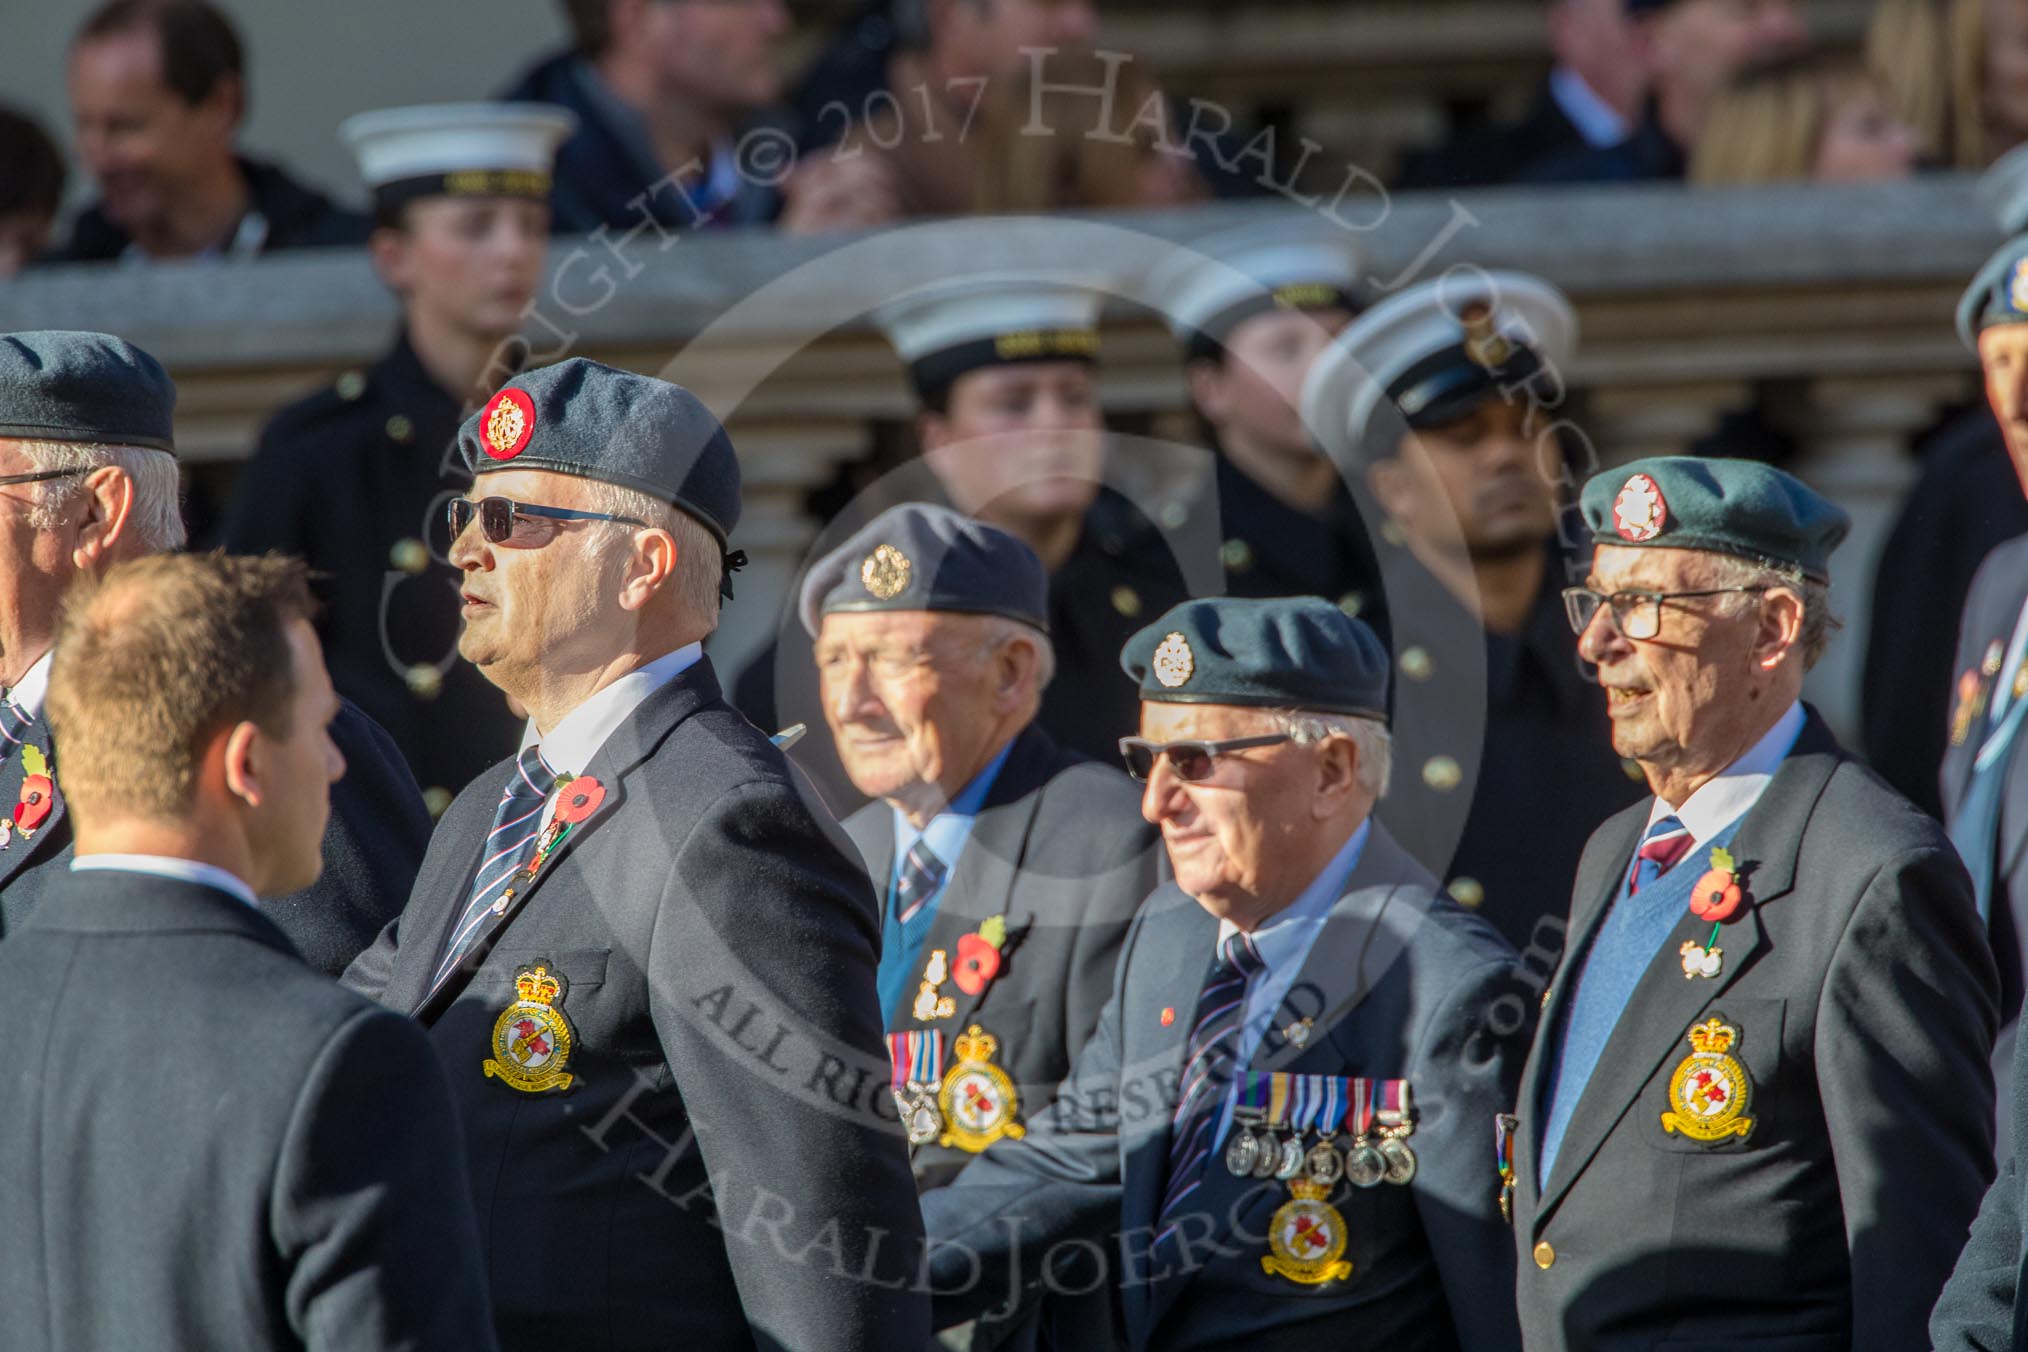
{"type": "Point", "coordinates": [1742, 508]}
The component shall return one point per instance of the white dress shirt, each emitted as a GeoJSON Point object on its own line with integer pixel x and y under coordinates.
{"type": "Point", "coordinates": [572, 743]}
{"type": "Point", "coordinates": [1725, 798]}
{"type": "Point", "coordinates": [1597, 121]}
{"type": "Point", "coordinates": [167, 866]}
{"type": "Point", "coordinates": [28, 693]}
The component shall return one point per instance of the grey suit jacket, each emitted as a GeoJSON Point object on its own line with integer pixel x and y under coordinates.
{"type": "Point", "coordinates": [724, 1168]}
{"type": "Point", "coordinates": [1863, 994]}
{"type": "Point", "coordinates": [1401, 984]}
{"type": "Point", "coordinates": [373, 844]}
{"type": "Point", "coordinates": [210, 1146]}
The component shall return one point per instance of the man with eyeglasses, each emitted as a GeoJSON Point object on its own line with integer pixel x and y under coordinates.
{"type": "Point", "coordinates": [1008, 867]}
{"type": "Point", "coordinates": [1282, 1133]}
{"type": "Point", "coordinates": [1759, 1105]}
{"type": "Point", "coordinates": [88, 479]}
{"type": "Point", "coordinates": [646, 962]}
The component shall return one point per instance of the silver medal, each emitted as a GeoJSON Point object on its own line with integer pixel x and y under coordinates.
{"type": "Point", "coordinates": [1293, 1157]}
{"type": "Point", "coordinates": [1398, 1159]}
{"type": "Point", "coordinates": [1326, 1166]}
{"type": "Point", "coordinates": [1242, 1151]}
{"type": "Point", "coordinates": [1270, 1156]}
{"type": "Point", "coordinates": [1364, 1167]}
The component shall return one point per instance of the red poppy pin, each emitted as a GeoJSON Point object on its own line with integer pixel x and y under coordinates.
{"type": "Point", "coordinates": [1719, 893]}
{"type": "Point", "coordinates": [979, 956]}
{"type": "Point", "coordinates": [581, 797]}
{"type": "Point", "coordinates": [38, 791]}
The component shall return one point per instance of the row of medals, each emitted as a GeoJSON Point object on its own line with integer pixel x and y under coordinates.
{"type": "Point", "coordinates": [1383, 1157]}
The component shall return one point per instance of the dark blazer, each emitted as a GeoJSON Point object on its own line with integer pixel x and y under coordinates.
{"type": "Point", "coordinates": [298, 217]}
{"type": "Point", "coordinates": [373, 844]}
{"type": "Point", "coordinates": [1967, 502]}
{"type": "Point", "coordinates": [353, 480]}
{"type": "Point", "coordinates": [1403, 984]}
{"type": "Point", "coordinates": [1981, 1309]}
{"type": "Point", "coordinates": [1648, 153]}
{"type": "Point", "coordinates": [1863, 993]}
{"type": "Point", "coordinates": [1061, 851]}
{"type": "Point", "coordinates": [1497, 153]}
{"type": "Point", "coordinates": [725, 1162]}
{"type": "Point", "coordinates": [210, 1146]}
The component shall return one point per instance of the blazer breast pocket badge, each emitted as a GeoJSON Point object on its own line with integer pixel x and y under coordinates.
{"type": "Point", "coordinates": [532, 1039]}
{"type": "Point", "coordinates": [1710, 1093]}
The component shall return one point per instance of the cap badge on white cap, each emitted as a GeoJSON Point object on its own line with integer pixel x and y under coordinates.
{"type": "Point", "coordinates": [1173, 661]}
{"type": "Point", "coordinates": [1484, 344]}
{"type": "Point", "coordinates": [1639, 513]}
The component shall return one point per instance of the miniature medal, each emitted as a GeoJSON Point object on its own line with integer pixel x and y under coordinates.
{"type": "Point", "coordinates": [1363, 1166]}
{"type": "Point", "coordinates": [1397, 1121]}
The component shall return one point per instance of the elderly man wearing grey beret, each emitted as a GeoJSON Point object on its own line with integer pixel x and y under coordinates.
{"type": "Point", "coordinates": [645, 959]}
{"type": "Point", "coordinates": [1282, 1133]}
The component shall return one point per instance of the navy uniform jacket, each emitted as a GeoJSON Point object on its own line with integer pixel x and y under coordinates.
{"type": "Point", "coordinates": [1647, 153]}
{"type": "Point", "coordinates": [373, 844]}
{"type": "Point", "coordinates": [713, 1174]}
{"type": "Point", "coordinates": [1409, 987]}
{"type": "Point", "coordinates": [1967, 502]}
{"type": "Point", "coordinates": [1498, 153]}
{"type": "Point", "coordinates": [296, 216]}
{"type": "Point", "coordinates": [353, 480]}
{"type": "Point", "coordinates": [211, 1146]}
{"type": "Point", "coordinates": [1268, 548]}
{"type": "Point", "coordinates": [1502, 763]}
{"type": "Point", "coordinates": [1981, 1308]}
{"type": "Point", "coordinates": [1863, 995]}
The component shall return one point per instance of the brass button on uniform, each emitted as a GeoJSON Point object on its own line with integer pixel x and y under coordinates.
{"type": "Point", "coordinates": [436, 798]}
{"type": "Point", "coordinates": [1442, 773]}
{"type": "Point", "coordinates": [1545, 1257]}
{"type": "Point", "coordinates": [1352, 603]}
{"type": "Point", "coordinates": [1632, 769]}
{"type": "Point", "coordinates": [351, 385]}
{"type": "Point", "coordinates": [424, 681]}
{"type": "Point", "coordinates": [1415, 663]}
{"type": "Point", "coordinates": [1174, 515]}
{"type": "Point", "coordinates": [1236, 555]}
{"type": "Point", "coordinates": [1469, 893]}
{"type": "Point", "coordinates": [399, 428]}
{"type": "Point", "coordinates": [409, 556]}
{"type": "Point", "coordinates": [1127, 601]}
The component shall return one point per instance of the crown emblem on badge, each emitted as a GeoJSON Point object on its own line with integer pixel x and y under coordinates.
{"type": "Point", "coordinates": [975, 1045]}
{"type": "Point", "coordinates": [1712, 1036]}
{"type": "Point", "coordinates": [1173, 661]}
{"type": "Point", "coordinates": [536, 984]}
{"type": "Point", "coordinates": [1484, 344]}
{"type": "Point", "coordinates": [885, 572]}
{"type": "Point", "coordinates": [1639, 512]}
{"type": "Point", "coordinates": [507, 423]}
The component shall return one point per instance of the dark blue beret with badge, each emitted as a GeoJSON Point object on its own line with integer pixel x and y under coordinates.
{"type": "Point", "coordinates": [585, 418]}
{"type": "Point", "coordinates": [1285, 652]}
{"type": "Point", "coordinates": [1738, 507]}
{"type": "Point", "coordinates": [67, 385]}
{"type": "Point", "coordinates": [919, 556]}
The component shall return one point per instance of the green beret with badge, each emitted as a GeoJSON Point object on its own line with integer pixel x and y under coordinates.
{"type": "Point", "coordinates": [1742, 508]}
{"type": "Point", "coordinates": [1295, 652]}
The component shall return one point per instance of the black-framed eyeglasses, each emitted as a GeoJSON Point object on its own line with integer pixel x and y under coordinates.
{"type": "Point", "coordinates": [1637, 614]}
{"type": "Point", "coordinates": [497, 516]}
{"type": "Point", "coordinates": [1192, 761]}
{"type": "Point", "coordinates": [39, 476]}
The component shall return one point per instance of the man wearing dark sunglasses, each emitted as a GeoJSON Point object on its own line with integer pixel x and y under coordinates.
{"type": "Point", "coordinates": [1760, 1091]}
{"type": "Point", "coordinates": [1281, 1134]}
{"type": "Point", "coordinates": [644, 959]}
{"type": "Point", "coordinates": [1007, 865]}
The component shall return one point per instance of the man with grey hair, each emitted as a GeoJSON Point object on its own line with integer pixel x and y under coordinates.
{"type": "Point", "coordinates": [88, 478]}
{"type": "Point", "coordinates": [1281, 1134]}
{"type": "Point", "coordinates": [1759, 1105]}
{"type": "Point", "coordinates": [1008, 867]}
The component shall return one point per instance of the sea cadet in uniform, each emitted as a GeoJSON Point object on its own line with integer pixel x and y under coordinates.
{"type": "Point", "coordinates": [647, 967]}
{"type": "Point", "coordinates": [1440, 402]}
{"type": "Point", "coordinates": [1759, 1109]}
{"type": "Point", "coordinates": [1012, 433]}
{"type": "Point", "coordinates": [88, 479]}
{"type": "Point", "coordinates": [354, 478]}
{"type": "Point", "coordinates": [208, 1144]}
{"type": "Point", "coordinates": [1253, 309]}
{"type": "Point", "coordinates": [1984, 780]}
{"type": "Point", "coordinates": [1009, 867]}
{"type": "Point", "coordinates": [1281, 1133]}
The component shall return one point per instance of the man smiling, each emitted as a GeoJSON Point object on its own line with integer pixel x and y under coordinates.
{"type": "Point", "coordinates": [1759, 1104]}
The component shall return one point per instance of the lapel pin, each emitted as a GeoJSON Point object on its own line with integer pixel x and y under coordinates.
{"type": "Point", "coordinates": [1168, 1015]}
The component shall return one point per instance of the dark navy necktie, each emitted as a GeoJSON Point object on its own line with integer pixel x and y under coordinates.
{"type": "Point", "coordinates": [509, 846]}
{"type": "Point", "coordinates": [1207, 1072]}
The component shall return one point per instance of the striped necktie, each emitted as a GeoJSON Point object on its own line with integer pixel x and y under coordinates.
{"type": "Point", "coordinates": [922, 873]}
{"type": "Point", "coordinates": [14, 726]}
{"type": "Point", "coordinates": [510, 845]}
{"type": "Point", "coordinates": [1207, 1072]}
{"type": "Point", "coordinates": [1667, 841]}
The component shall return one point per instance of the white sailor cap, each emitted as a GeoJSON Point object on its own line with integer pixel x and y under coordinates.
{"type": "Point", "coordinates": [2003, 190]}
{"type": "Point", "coordinates": [947, 330]}
{"type": "Point", "coordinates": [1210, 286]}
{"type": "Point", "coordinates": [1435, 352]}
{"type": "Point", "coordinates": [456, 149]}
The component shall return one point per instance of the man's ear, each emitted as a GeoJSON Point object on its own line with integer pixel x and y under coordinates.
{"type": "Point", "coordinates": [1387, 478]}
{"type": "Point", "coordinates": [1781, 628]}
{"type": "Point", "coordinates": [932, 431]}
{"type": "Point", "coordinates": [242, 765]}
{"type": "Point", "coordinates": [388, 248]}
{"type": "Point", "coordinates": [109, 507]}
{"type": "Point", "coordinates": [1014, 671]}
{"type": "Point", "coordinates": [650, 565]}
{"type": "Point", "coordinates": [1337, 775]}
{"type": "Point", "coordinates": [1207, 390]}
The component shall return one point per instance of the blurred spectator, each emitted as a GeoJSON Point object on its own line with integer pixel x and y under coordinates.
{"type": "Point", "coordinates": [663, 93]}
{"type": "Point", "coordinates": [1957, 71]}
{"type": "Point", "coordinates": [1688, 51]}
{"type": "Point", "coordinates": [1591, 97]}
{"type": "Point", "coordinates": [354, 478]}
{"type": "Point", "coordinates": [31, 189]}
{"type": "Point", "coordinates": [158, 92]}
{"type": "Point", "coordinates": [1822, 116]}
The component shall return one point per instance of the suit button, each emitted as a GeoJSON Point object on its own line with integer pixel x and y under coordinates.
{"type": "Point", "coordinates": [1545, 1257]}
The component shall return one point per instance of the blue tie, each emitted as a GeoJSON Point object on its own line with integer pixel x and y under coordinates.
{"type": "Point", "coordinates": [1975, 829]}
{"type": "Point", "coordinates": [1207, 1072]}
{"type": "Point", "coordinates": [510, 845]}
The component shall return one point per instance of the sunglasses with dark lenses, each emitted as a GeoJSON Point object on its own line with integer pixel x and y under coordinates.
{"type": "Point", "coordinates": [1191, 761]}
{"type": "Point", "coordinates": [497, 516]}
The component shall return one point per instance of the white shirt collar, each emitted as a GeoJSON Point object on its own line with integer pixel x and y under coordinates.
{"type": "Point", "coordinates": [166, 866]}
{"type": "Point", "coordinates": [28, 693]}
{"type": "Point", "coordinates": [1725, 798]}
{"type": "Point", "coordinates": [570, 746]}
{"type": "Point", "coordinates": [1596, 120]}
